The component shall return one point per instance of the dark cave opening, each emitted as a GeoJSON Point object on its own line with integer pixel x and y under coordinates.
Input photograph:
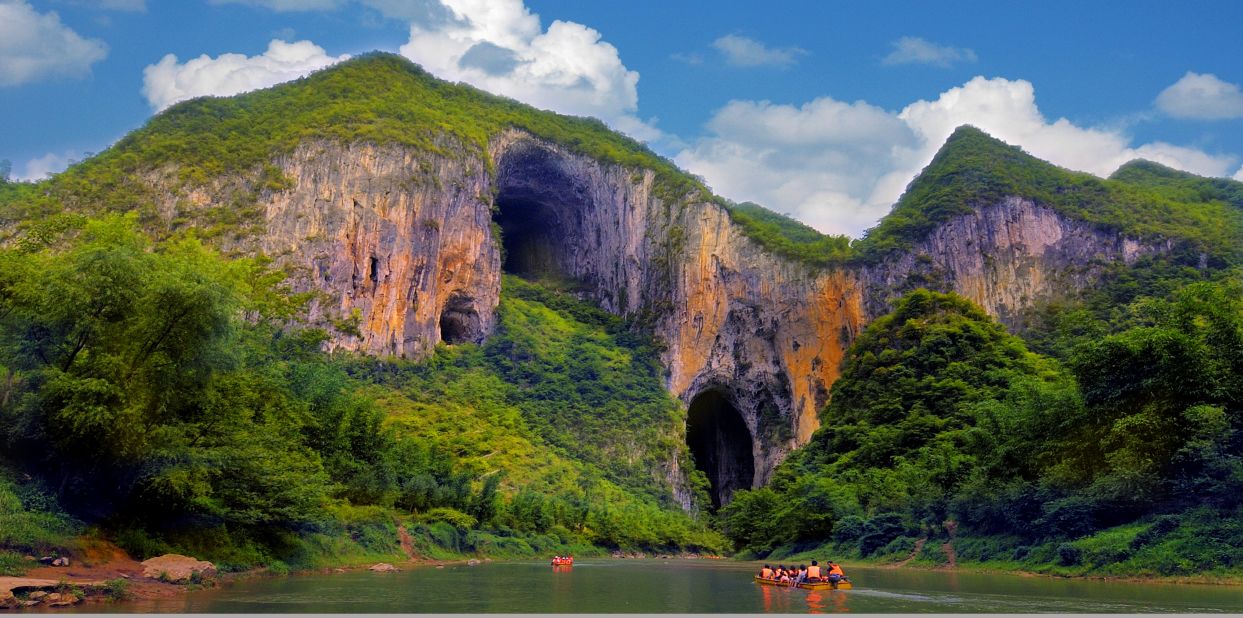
{"type": "Point", "coordinates": [721, 445]}
{"type": "Point", "coordinates": [529, 234]}
{"type": "Point", "coordinates": [539, 204]}
{"type": "Point", "coordinates": [459, 322]}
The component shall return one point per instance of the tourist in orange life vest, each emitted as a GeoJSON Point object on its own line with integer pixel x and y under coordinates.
{"type": "Point", "coordinates": [813, 572]}
{"type": "Point", "coordinates": [835, 572]}
{"type": "Point", "coordinates": [766, 572]}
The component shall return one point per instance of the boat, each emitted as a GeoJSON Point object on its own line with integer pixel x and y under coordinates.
{"type": "Point", "coordinates": [841, 585]}
{"type": "Point", "coordinates": [563, 561]}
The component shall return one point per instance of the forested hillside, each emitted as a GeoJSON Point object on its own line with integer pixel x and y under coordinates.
{"type": "Point", "coordinates": [1122, 456]}
{"type": "Point", "coordinates": [151, 393]}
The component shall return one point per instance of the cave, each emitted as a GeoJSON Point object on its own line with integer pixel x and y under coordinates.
{"type": "Point", "coordinates": [459, 322]}
{"type": "Point", "coordinates": [720, 444]}
{"type": "Point", "coordinates": [529, 237]}
{"type": "Point", "coordinates": [539, 206]}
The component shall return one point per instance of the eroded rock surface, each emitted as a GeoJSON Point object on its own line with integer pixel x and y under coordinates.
{"type": "Point", "coordinates": [399, 247]}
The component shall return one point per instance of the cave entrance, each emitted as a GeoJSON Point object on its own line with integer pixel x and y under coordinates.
{"type": "Point", "coordinates": [460, 323]}
{"type": "Point", "coordinates": [539, 204]}
{"type": "Point", "coordinates": [529, 235]}
{"type": "Point", "coordinates": [721, 445]}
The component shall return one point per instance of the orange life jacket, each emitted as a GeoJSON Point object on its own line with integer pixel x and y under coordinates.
{"type": "Point", "coordinates": [766, 573]}
{"type": "Point", "coordinates": [813, 571]}
{"type": "Point", "coordinates": [835, 570]}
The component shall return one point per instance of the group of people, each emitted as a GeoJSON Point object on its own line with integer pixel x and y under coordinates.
{"type": "Point", "coordinates": [803, 573]}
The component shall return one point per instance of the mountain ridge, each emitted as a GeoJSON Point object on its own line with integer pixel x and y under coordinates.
{"type": "Point", "coordinates": [395, 200]}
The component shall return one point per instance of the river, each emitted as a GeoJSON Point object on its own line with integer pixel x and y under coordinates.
{"type": "Point", "coordinates": [679, 586]}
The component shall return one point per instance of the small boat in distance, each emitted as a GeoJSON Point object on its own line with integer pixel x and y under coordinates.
{"type": "Point", "coordinates": [563, 560]}
{"type": "Point", "coordinates": [841, 585]}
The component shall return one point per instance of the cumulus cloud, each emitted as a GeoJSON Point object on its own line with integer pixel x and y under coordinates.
{"type": "Point", "coordinates": [1239, 175]}
{"type": "Point", "coordinates": [915, 50]}
{"type": "Point", "coordinates": [500, 46]}
{"type": "Point", "coordinates": [50, 163]}
{"type": "Point", "coordinates": [741, 51]}
{"type": "Point", "coordinates": [1202, 96]}
{"type": "Point", "coordinates": [169, 81]}
{"type": "Point", "coordinates": [840, 166]}
{"type": "Point", "coordinates": [35, 46]}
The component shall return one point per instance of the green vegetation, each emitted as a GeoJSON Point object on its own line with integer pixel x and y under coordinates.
{"type": "Point", "coordinates": [133, 385]}
{"type": "Point", "coordinates": [787, 237]}
{"type": "Point", "coordinates": [376, 98]}
{"type": "Point", "coordinates": [1124, 459]}
{"type": "Point", "coordinates": [973, 169]}
{"type": "Point", "coordinates": [1180, 186]}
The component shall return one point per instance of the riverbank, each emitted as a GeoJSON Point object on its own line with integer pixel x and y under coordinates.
{"type": "Point", "coordinates": [942, 555]}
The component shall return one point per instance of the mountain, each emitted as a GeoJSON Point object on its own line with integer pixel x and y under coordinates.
{"type": "Point", "coordinates": [396, 201]}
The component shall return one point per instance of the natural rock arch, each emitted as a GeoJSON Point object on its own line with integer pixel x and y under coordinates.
{"type": "Point", "coordinates": [721, 444]}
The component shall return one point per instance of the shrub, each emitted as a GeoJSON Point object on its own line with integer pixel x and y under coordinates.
{"type": "Point", "coordinates": [1068, 555]}
{"type": "Point", "coordinates": [117, 589]}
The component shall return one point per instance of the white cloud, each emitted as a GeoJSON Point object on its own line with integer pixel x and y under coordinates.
{"type": "Point", "coordinates": [744, 52]}
{"type": "Point", "coordinates": [1239, 175]}
{"type": "Point", "coordinates": [839, 166]}
{"type": "Point", "coordinates": [500, 46]}
{"type": "Point", "coordinates": [168, 81]}
{"type": "Point", "coordinates": [35, 46]}
{"type": "Point", "coordinates": [915, 50]}
{"type": "Point", "coordinates": [48, 164]}
{"type": "Point", "coordinates": [1202, 96]}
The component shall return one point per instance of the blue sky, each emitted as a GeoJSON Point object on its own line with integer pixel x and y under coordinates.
{"type": "Point", "coordinates": [823, 110]}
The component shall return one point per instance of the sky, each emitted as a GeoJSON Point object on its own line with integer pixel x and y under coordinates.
{"type": "Point", "coordinates": [821, 110]}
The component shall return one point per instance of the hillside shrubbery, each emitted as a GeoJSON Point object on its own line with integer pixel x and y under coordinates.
{"type": "Point", "coordinates": [973, 170]}
{"type": "Point", "coordinates": [940, 416]}
{"type": "Point", "coordinates": [133, 386]}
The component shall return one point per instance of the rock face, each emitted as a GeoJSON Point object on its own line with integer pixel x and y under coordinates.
{"type": "Point", "coordinates": [400, 247]}
{"type": "Point", "coordinates": [176, 568]}
{"type": "Point", "coordinates": [1004, 257]}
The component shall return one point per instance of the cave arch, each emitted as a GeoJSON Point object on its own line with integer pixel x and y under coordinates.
{"type": "Point", "coordinates": [720, 444]}
{"type": "Point", "coordinates": [460, 322]}
{"type": "Point", "coordinates": [539, 208]}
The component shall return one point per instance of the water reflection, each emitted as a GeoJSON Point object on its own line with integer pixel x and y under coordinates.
{"type": "Point", "coordinates": [683, 586]}
{"type": "Point", "coordinates": [815, 602]}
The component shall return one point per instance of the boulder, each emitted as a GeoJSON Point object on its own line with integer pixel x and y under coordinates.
{"type": "Point", "coordinates": [36, 595]}
{"type": "Point", "coordinates": [60, 562]}
{"type": "Point", "coordinates": [176, 568]}
{"type": "Point", "coordinates": [383, 567]}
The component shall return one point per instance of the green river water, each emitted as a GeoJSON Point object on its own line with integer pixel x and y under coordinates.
{"type": "Point", "coordinates": [680, 586]}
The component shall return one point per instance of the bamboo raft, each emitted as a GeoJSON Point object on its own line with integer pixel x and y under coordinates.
{"type": "Point", "coordinates": [841, 585]}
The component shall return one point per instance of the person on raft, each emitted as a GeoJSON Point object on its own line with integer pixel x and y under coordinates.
{"type": "Point", "coordinates": [835, 572]}
{"type": "Point", "coordinates": [766, 572]}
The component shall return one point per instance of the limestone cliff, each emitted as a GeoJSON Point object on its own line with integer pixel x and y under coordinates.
{"type": "Point", "coordinates": [1004, 257]}
{"type": "Point", "coordinates": [399, 245]}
